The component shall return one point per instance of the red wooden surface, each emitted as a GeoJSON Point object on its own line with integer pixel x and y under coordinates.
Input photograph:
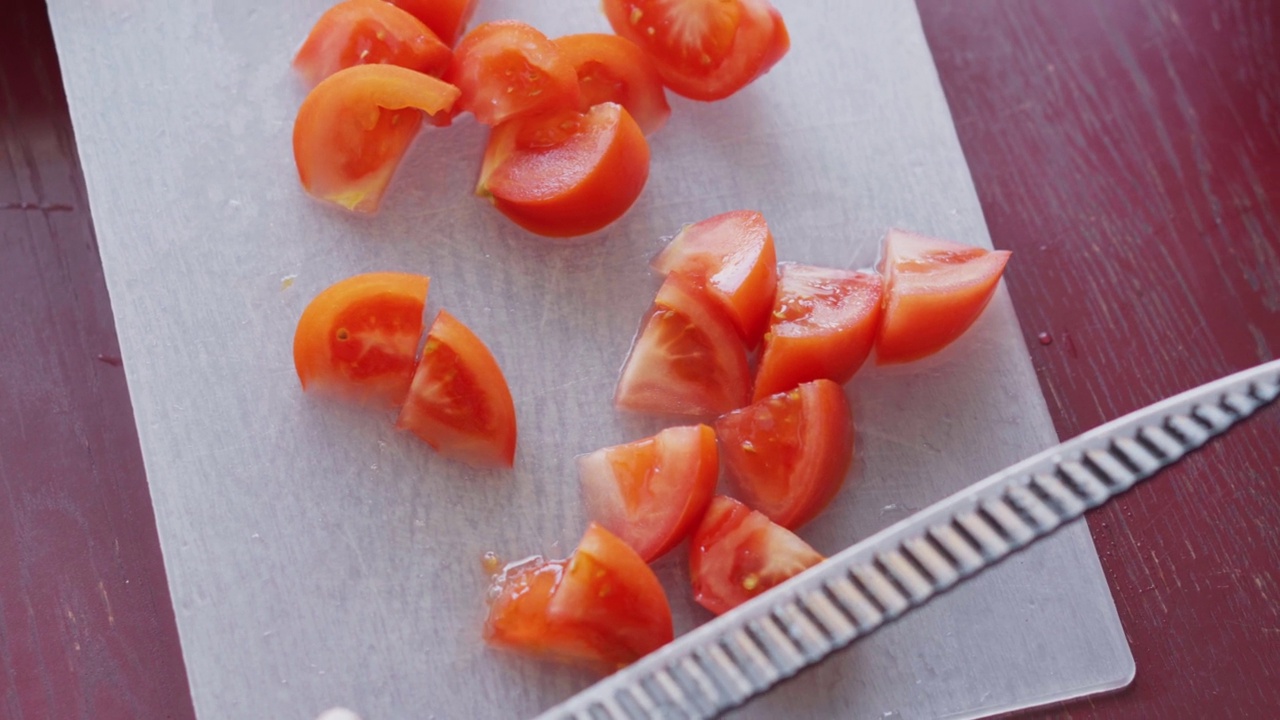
{"type": "Point", "coordinates": [1128, 152]}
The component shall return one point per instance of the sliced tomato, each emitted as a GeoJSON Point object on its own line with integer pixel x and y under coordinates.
{"type": "Point", "coordinates": [687, 360]}
{"type": "Point", "coordinates": [823, 326]}
{"type": "Point", "coordinates": [358, 338]}
{"type": "Point", "coordinates": [704, 49]}
{"type": "Point", "coordinates": [732, 256]}
{"type": "Point", "coordinates": [934, 290]}
{"type": "Point", "coordinates": [369, 32]}
{"type": "Point", "coordinates": [507, 68]}
{"type": "Point", "coordinates": [565, 173]}
{"type": "Point", "coordinates": [652, 492]}
{"type": "Point", "coordinates": [446, 18]}
{"type": "Point", "coordinates": [611, 68]}
{"type": "Point", "coordinates": [738, 553]}
{"type": "Point", "coordinates": [787, 455]}
{"type": "Point", "coordinates": [355, 126]}
{"type": "Point", "coordinates": [459, 402]}
{"type": "Point", "coordinates": [603, 606]}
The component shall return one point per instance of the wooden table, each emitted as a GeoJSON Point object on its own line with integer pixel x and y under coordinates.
{"type": "Point", "coordinates": [1127, 152]}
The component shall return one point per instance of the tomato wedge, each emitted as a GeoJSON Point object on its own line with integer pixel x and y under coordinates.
{"type": "Point", "coordinates": [687, 360]}
{"type": "Point", "coordinates": [355, 126]}
{"type": "Point", "coordinates": [934, 291]}
{"type": "Point", "coordinates": [369, 32]}
{"type": "Point", "coordinates": [737, 553]}
{"type": "Point", "coordinates": [787, 455]}
{"type": "Point", "coordinates": [459, 402]}
{"type": "Point", "coordinates": [565, 173]}
{"type": "Point", "coordinates": [602, 607]}
{"type": "Point", "coordinates": [732, 256]}
{"type": "Point", "coordinates": [357, 339]}
{"type": "Point", "coordinates": [823, 326]}
{"type": "Point", "coordinates": [652, 492]}
{"type": "Point", "coordinates": [507, 68]}
{"type": "Point", "coordinates": [703, 49]}
{"type": "Point", "coordinates": [446, 18]}
{"type": "Point", "coordinates": [611, 68]}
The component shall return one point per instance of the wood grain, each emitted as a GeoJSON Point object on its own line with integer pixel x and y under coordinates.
{"type": "Point", "coordinates": [1129, 154]}
{"type": "Point", "coordinates": [87, 626]}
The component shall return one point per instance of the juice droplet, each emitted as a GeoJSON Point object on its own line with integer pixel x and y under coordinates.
{"type": "Point", "coordinates": [1045, 338]}
{"type": "Point", "coordinates": [491, 562]}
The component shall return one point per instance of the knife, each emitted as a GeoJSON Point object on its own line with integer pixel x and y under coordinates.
{"type": "Point", "coordinates": [753, 647]}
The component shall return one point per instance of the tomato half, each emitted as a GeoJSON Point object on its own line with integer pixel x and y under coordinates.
{"type": "Point", "coordinates": [934, 291]}
{"type": "Point", "coordinates": [611, 68]}
{"type": "Point", "coordinates": [369, 32]}
{"type": "Point", "coordinates": [355, 126]}
{"type": "Point", "coordinates": [704, 49]}
{"type": "Point", "coordinates": [507, 68]}
{"type": "Point", "coordinates": [565, 173]}
{"type": "Point", "coordinates": [732, 256]}
{"type": "Point", "coordinates": [823, 326]}
{"type": "Point", "coordinates": [687, 360]}
{"type": "Point", "coordinates": [459, 402]}
{"type": "Point", "coordinates": [603, 606]}
{"type": "Point", "coordinates": [358, 338]}
{"type": "Point", "coordinates": [738, 553]}
{"type": "Point", "coordinates": [652, 492]}
{"type": "Point", "coordinates": [787, 455]}
{"type": "Point", "coordinates": [446, 18]}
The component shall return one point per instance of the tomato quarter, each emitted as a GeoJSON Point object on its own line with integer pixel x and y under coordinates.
{"type": "Point", "coordinates": [355, 126]}
{"type": "Point", "coordinates": [787, 455]}
{"type": "Point", "coordinates": [446, 18]}
{"type": "Point", "coordinates": [369, 32]}
{"type": "Point", "coordinates": [459, 402]}
{"type": "Point", "coordinates": [823, 326]}
{"type": "Point", "coordinates": [652, 492]}
{"type": "Point", "coordinates": [507, 68]}
{"type": "Point", "coordinates": [358, 338]}
{"type": "Point", "coordinates": [934, 291]}
{"type": "Point", "coordinates": [688, 358]}
{"type": "Point", "coordinates": [737, 553]}
{"type": "Point", "coordinates": [703, 49]}
{"type": "Point", "coordinates": [611, 68]}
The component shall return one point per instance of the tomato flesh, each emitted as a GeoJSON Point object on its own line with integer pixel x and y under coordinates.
{"type": "Point", "coordinates": [732, 257]}
{"type": "Point", "coordinates": [703, 49]}
{"type": "Point", "coordinates": [824, 325]}
{"type": "Point", "coordinates": [602, 607]}
{"type": "Point", "coordinates": [738, 553]}
{"type": "Point", "coordinates": [934, 291]}
{"type": "Point", "coordinates": [652, 492]}
{"type": "Point", "coordinates": [459, 402]}
{"type": "Point", "coordinates": [355, 126]}
{"type": "Point", "coordinates": [369, 32]}
{"type": "Point", "coordinates": [787, 455]}
{"type": "Point", "coordinates": [565, 173]}
{"type": "Point", "coordinates": [507, 68]}
{"type": "Point", "coordinates": [613, 69]}
{"type": "Point", "coordinates": [357, 339]}
{"type": "Point", "coordinates": [687, 359]}
{"type": "Point", "coordinates": [446, 18]}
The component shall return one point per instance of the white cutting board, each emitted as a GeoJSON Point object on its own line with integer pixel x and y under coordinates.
{"type": "Point", "coordinates": [316, 557]}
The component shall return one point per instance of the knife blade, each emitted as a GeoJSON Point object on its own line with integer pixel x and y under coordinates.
{"type": "Point", "coordinates": [750, 649]}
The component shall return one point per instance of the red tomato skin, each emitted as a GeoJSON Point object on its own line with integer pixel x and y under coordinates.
{"type": "Point", "coordinates": [737, 553]}
{"type": "Point", "coordinates": [355, 126]}
{"type": "Point", "coordinates": [934, 291]}
{"type": "Point", "coordinates": [611, 68]}
{"type": "Point", "coordinates": [706, 380]}
{"type": "Point", "coordinates": [679, 468]}
{"type": "Point", "coordinates": [750, 42]}
{"type": "Point", "coordinates": [507, 68]}
{"type": "Point", "coordinates": [732, 257]}
{"type": "Point", "coordinates": [357, 339]}
{"type": "Point", "coordinates": [459, 402]}
{"type": "Point", "coordinates": [446, 18]}
{"type": "Point", "coordinates": [812, 425]}
{"type": "Point", "coordinates": [360, 32]}
{"type": "Point", "coordinates": [824, 325]}
{"type": "Point", "coordinates": [576, 183]}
